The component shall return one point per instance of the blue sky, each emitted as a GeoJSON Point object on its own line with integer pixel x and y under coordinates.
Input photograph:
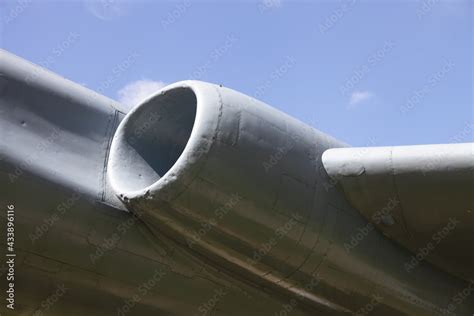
{"type": "Point", "coordinates": [370, 73]}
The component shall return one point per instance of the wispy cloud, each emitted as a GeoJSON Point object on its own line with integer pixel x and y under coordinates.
{"type": "Point", "coordinates": [358, 97]}
{"type": "Point", "coordinates": [107, 9]}
{"type": "Point", "coordinates": [267, 5]}
{"type": "Point", "coordinates": [135, 92]}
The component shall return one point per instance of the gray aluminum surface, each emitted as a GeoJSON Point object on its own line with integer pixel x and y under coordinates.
{"type": "Point", "coordinates": [434, 185]}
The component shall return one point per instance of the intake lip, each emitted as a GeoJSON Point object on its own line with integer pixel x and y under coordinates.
{"type": "Point", "coordinates": [159, 146]}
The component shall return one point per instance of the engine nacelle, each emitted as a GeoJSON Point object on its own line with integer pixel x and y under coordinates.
{"type": "Point", "coordinates": [227, 175]}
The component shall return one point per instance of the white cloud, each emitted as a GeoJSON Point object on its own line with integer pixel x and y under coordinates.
{"type": "Point", "coordinates": [107, 9]}
{"type": "Point", "coordinates": [135, 92]}
{"type": "Point", "coordinates": [358, 97]}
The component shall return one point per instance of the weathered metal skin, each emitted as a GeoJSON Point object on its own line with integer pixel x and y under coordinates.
{"type": "Point", "coordinates": [242, 185]}
{"type": "Point", "coordinates": [55, 129]}
{"type": "Point", "coordinates": [434, 187]}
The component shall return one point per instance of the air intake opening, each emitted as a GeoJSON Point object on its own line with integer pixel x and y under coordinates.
{"type": "Point", "coordinates": [154, 136]}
